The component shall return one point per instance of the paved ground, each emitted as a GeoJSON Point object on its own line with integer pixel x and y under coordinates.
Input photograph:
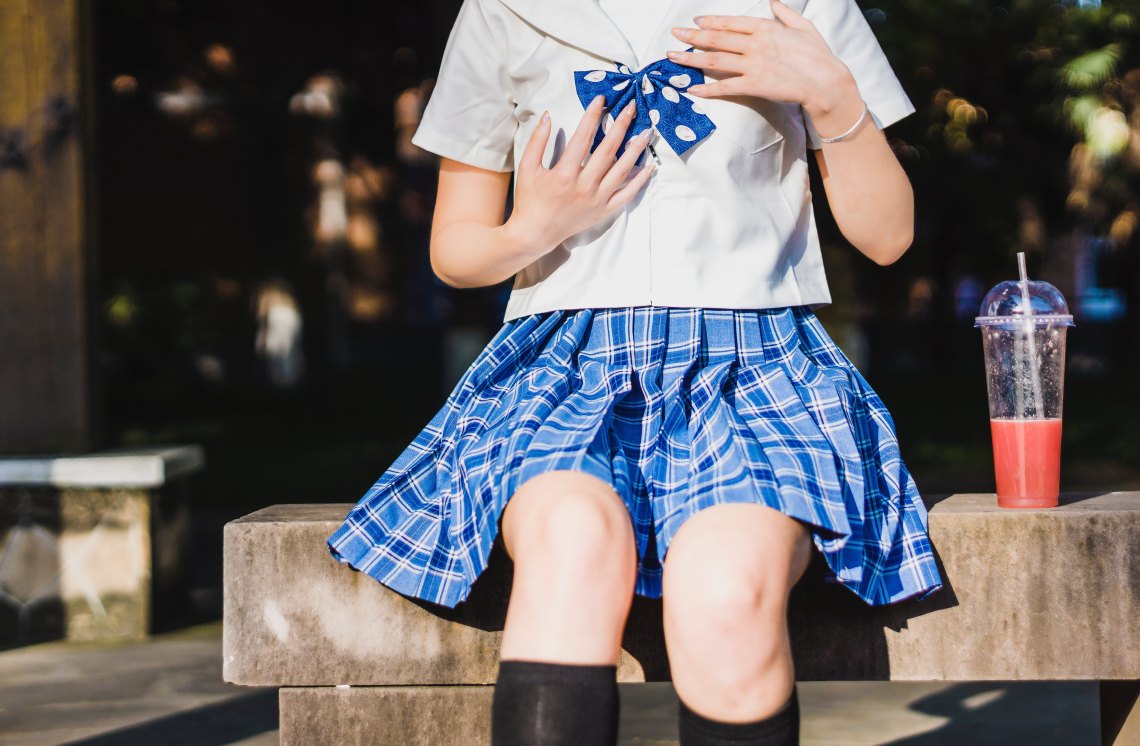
{"type": "Point", "coordinates": [168, 691]}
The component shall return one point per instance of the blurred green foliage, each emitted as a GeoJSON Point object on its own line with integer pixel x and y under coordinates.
{"type": "Point", "coordinates": [1025, 129]}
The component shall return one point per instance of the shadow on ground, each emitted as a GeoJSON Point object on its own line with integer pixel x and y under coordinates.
{"type": "Point", "coordinates": [1003, 713]}
{"type": "Point", "coordinates": [210, 725]}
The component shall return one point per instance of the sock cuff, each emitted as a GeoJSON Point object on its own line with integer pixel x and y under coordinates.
{"type": "Point", "coordinates": [780, 721]}
{"type": "Point", "coordinates": [570, 673]}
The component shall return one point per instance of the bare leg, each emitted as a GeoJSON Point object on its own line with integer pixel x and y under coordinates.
{"type": "Point", "coordinates": [727, 575]}
{"type": "Point", "coordinates": [571, 540]}
{"type": "Point", "coordinates": [575, 562]}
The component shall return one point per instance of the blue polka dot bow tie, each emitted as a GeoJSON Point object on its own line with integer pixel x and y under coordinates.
{"type": "Point", "coordinates": [655, 90]}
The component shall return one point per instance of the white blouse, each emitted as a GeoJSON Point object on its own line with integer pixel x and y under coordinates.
{"type": "Point", "coordinates": [636, 19]}
{"type": "Point", "coordinates": [726, 224]}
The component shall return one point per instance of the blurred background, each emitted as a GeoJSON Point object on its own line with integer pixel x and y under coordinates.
{"type": "Point", "coordinates": [245, 229]}
{"type": "Point", "coordinates": [215, 283]}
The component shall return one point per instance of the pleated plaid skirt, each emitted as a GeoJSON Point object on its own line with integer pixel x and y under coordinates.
{"type": "Point", "coordinates": [679, 409]}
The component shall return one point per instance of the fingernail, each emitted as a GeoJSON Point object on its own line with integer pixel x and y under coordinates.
{"type": "Point", "coordinates": [545, 118]}
{"type": "Point", "coordinates": [698, 19]}
{"type": "Point", "coordinates": [599, 99]}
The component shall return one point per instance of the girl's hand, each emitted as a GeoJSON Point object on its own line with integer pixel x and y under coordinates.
{"type": "Point", "coordinates": [552, 204]}
{"type": "Point", "coordinates": [781, 59]}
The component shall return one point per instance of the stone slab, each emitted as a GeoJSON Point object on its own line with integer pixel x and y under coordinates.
{"type": "Point", "coordinates": [405, 715]}
{"type": "Point", "coordinates": [131, 466]}
{"type": "Point", "coordinates": [1029, 594]}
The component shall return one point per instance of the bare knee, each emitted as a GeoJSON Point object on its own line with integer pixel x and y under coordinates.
{"type": "Point", "coordinates": [728, 571]}
{"type": "Point", "coordinates": [732, 567]}
{"type": "Point", "coordinates": [575, 565]}
{"type": "Point", "coordinates": [718, 600]}
{"type": "Point", "coordinates": [571, 529]}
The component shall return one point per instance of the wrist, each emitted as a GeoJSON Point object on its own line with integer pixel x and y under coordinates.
{"type": "Point", "coordinates": [525, 240]}
{"type": "Point", "coordinates": [835, 106]}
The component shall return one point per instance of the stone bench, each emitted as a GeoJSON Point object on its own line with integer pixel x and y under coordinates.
{"type": "Point", "coordinates": [1029, 595]}
{"type": "Point", "coordinates": [95, 546]}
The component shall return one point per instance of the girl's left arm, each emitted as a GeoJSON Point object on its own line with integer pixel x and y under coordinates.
{"type": "Point", "coordinates": [867, 188]}
{"type": "Point", "coordinates": [786, 58]}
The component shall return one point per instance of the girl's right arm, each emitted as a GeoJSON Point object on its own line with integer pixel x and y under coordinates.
{"type": "Point", "coordinates": [471, 245]}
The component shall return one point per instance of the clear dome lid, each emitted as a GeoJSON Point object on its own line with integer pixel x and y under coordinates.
{"type": "Point", "coordinates": [1006, 303]}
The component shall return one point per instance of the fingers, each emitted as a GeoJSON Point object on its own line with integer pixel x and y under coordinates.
{"type": "Point", "coordinates": [579, 143]}
{"type": "Point", "coordinates": [736, 85]}
{"type": "Point", "coordinates": [739, 24]}
{"type": "Point", "coordinates": [790, 16]}
{"type": "Point", "coordinates": [620, 169]}
{"type": "Point", "coordinates": [603, 155]}
{"type": "Point", "coordinates": [730, 41]}
{"type": "Point", "coordinates": [627, 192]}
{"type": "Point", "coordinates": [726, 61]}
{"type": "Point", "coordinates": [532, 154]}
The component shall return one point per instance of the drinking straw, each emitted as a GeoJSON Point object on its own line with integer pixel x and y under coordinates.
{"type": "Point", "coordinates": [1038, 404]}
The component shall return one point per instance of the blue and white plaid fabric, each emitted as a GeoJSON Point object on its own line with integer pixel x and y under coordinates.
{"type": "Point", "coordinates": [678, 408]}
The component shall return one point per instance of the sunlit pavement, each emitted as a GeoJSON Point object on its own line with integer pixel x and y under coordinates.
{"type": "Point", "coordinates": [169, 690]}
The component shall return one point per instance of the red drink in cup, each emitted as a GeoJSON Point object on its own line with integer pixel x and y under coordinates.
{"type": "Point", "coordinates": [1027, 460]}
{"type": "Point", "coordinates": [1023, 325]}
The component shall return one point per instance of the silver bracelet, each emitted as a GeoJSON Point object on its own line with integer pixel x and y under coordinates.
{"type": "Point", "coordinates": [854, 127]}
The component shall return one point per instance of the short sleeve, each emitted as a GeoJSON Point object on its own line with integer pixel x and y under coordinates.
{"type": "Point", "coordinates": [469, 116]}
{"type": "Point", "coordinates": [851, 39]}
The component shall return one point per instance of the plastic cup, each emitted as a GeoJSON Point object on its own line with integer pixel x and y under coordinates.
{"type": "Point", "coordinates": [1024, 325]}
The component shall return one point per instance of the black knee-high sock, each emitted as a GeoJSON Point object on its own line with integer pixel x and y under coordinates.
{"type": "Point", "coordinates": [536, 703]}
{"type": "Point", "coordinates": [781, 728]}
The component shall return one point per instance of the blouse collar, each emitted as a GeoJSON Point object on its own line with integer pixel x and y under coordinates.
{"type": "Point", "coordinates": [583, 23]}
